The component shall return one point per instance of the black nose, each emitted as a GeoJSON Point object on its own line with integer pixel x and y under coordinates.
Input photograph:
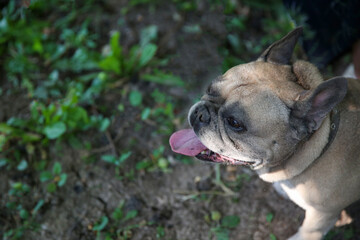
{"type": "Point", "coordinates": [200, 116]}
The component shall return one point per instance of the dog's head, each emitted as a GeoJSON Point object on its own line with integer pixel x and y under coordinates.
{"type": "Point", "coordinates": [256, 113]}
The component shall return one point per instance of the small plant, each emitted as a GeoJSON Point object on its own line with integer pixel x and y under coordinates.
{"type": "Point", "coordinates": [98, 227]}
{"type": "Point", "coordinates": [55, 178]}
{"type": "Point", "coordinates": [117, 223]}
{"type": "Point", "coordinates": [117, 161]}
{"type": "Point", "coordinates": [272, 236]}
{"type": "Point", "coordinates": [157, 161]}
{"type": "Point", "coordinates": [16, 205]}
{"type": "Point", "coordinates": [160, 232]}
{"type": "Point", "coordinates": [127, 64]}
{"type": "Point", "coordinates": [223, 225]}
{"type": "Point", "coordinates": [139, 57]}
{"type": "Point", "coordinates": [50, 122]}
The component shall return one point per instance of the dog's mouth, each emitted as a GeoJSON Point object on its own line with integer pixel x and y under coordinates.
{"type": "Point", "coordinates": [187, 143]}
{"type": "Point", "coordinates": [210, 156]}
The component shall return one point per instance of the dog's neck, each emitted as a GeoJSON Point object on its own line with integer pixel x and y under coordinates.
{"type": "Point", "coordinates": [303, 157]}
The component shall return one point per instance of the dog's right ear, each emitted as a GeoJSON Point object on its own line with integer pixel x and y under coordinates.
{"type": "Point", "coordinates": [314, 105]}
{"type": "Point", "coordinates": [281, 51]}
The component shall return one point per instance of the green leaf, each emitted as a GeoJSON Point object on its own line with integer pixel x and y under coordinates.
{"type": "Point", "coordinates": [143, 165]}
{"type": "Point", "coordinates": [163, 163]}
{"type": "Point", "coordinates": [3, 141]}
{"type": "Point", "coordinates": [3, 162]}
{"type": "Point", "coordinates": [160, 232]}
{"type": "Point", "coordinates": [117, 214]}
{"type": "Point", "coordinates": [24, 214]}
{"type": "Point", "coordinates": [56, 168]}
{"type": "Point", "coordinates": [55, 130]}
{"type": "Point", "coordinates": [111, 64]}
{"type": "Point", "coordinates": [147, 53]}
{"type": "Point", "coordinates": [104, 124]}
{"type": "Point", "coordinates": [51, 187]}
{"type": "Point", "coordinates": [132, 61]}
{"type": "Point", "coordinates": [148, 34]}
{"type": "Point", "coordinates": [5, 128]}
{"type": "Point", "coordinates": [145, 113]}
{"type": "Point", "coordinates": [45, 176]}
{"type": "Point", "coordinates": [221, 233]}
{"type": "Point", "coordinates": [135, 98]}
{"type": "Point", "coordinates": [62, 180]}
{"type": "Point", "coordinates": [38, 206]}
{"type": "Point", "coordinates": [108, 158]}
{"type": "Point", "coordinates": [192, 29]}
{"type": "Point", "coordinates": [75, 142]}
{"type": "Point", "coordinates": [272, 237]}
{"type": "Point", "coordinates": [130, 215]}
{"type": "Point", "coordinates": [234, 42]}
{"type": "Point", "coordinates": [114, 44]}
{"type": "Point", "coordinates": [230, 221]}
{"type": "Point", "coordinates": [37, 46]}
{"type": "Point", "coordinates": [163, 78]}
{"type": "Point", "coordinates": [17, 185]}
{"type": "Point", "coordinates": [22, 165]}
{"type": "Point", "coordinates": [40, 165]}
{"type": "Point", "coordinates": [121, 107]}
{"type": "Point", "coordinates": [215, 215]}
{"type": "Point", "coordinates": [31, 137]}
{"type": "Point", "coordinates": [100, 226]}
{"type": "Point", "coordinates": [269, 217]}
{"type": "Point", "coordinates": [124, 156]}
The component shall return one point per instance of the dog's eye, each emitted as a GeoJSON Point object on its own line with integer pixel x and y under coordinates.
{"type": "Point", "coordinates": [236, 125]}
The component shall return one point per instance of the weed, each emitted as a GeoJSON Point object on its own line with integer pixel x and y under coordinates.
{"type": "Point", "coordinates": [156, 162]}
{"type": "Point", "coordinates": [55, 178]}
{"type": "Point", "coordinates": [118, 162]}
{"type": "Point", "coordinates": [269, 217]}
{"type": "Point", "coordinates": [272, 236]}
{"type": "Point", "coordinates": [119, 220]}
{"type": "Point", "coordinates": [50, 122]}
{"type": "Point", "coordinates": [16, 206]}
{"type": "Point", "coordinates": [223, 225]}
{"type": "Point", "coordinates": [241, 49]}
{"type": "Point", "coordinates": [127, 64]}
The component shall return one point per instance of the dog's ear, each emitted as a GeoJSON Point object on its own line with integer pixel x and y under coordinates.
{"type": "Point", "coordinates": [281, 51]}
{"type": "Point", "coordinates": [313, 105]}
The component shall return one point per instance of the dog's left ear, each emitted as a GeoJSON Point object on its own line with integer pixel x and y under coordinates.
{"type": "Point", "coordinates": [314, 105]}
{"type": "Point", "coordinates": [281, 51]}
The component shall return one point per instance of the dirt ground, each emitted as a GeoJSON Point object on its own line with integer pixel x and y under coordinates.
{"type": "Point", "coordinates": [172, 200]}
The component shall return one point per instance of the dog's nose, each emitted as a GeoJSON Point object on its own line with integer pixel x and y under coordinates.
{"type": "Point", "coordinates": [200, 116]}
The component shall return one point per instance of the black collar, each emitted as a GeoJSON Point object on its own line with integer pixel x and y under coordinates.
{"type": "Point", "coordinates": [334, 126]}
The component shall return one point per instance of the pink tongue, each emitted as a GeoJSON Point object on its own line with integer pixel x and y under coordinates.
{"type": "Point", "coordinates": [186, 142]}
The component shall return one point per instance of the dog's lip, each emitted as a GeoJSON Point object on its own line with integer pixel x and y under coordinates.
{"type": "Point", "coordinates": [210, 156]}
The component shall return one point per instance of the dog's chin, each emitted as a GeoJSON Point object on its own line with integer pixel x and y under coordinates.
{"type": "Point", "coordinates": [210, 156]}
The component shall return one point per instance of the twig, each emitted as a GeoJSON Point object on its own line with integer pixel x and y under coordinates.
{"type": "Point", "coordinates": [227, 190]}
{"type": "Point", "coordinates": [219, 183]}
{"type": "Point", "coordinates": [111, 143]}
{"type": "Point", "coordinates": [192, 194]}
{"type": "Point", "coordinates": [101, 149]}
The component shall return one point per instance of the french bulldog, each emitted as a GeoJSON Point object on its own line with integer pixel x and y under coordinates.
{"type": "Point", "coordinates": [283, 120]}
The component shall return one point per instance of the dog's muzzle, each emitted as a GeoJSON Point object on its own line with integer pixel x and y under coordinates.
{"type": "Point", "coordinates": [199, 116]}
